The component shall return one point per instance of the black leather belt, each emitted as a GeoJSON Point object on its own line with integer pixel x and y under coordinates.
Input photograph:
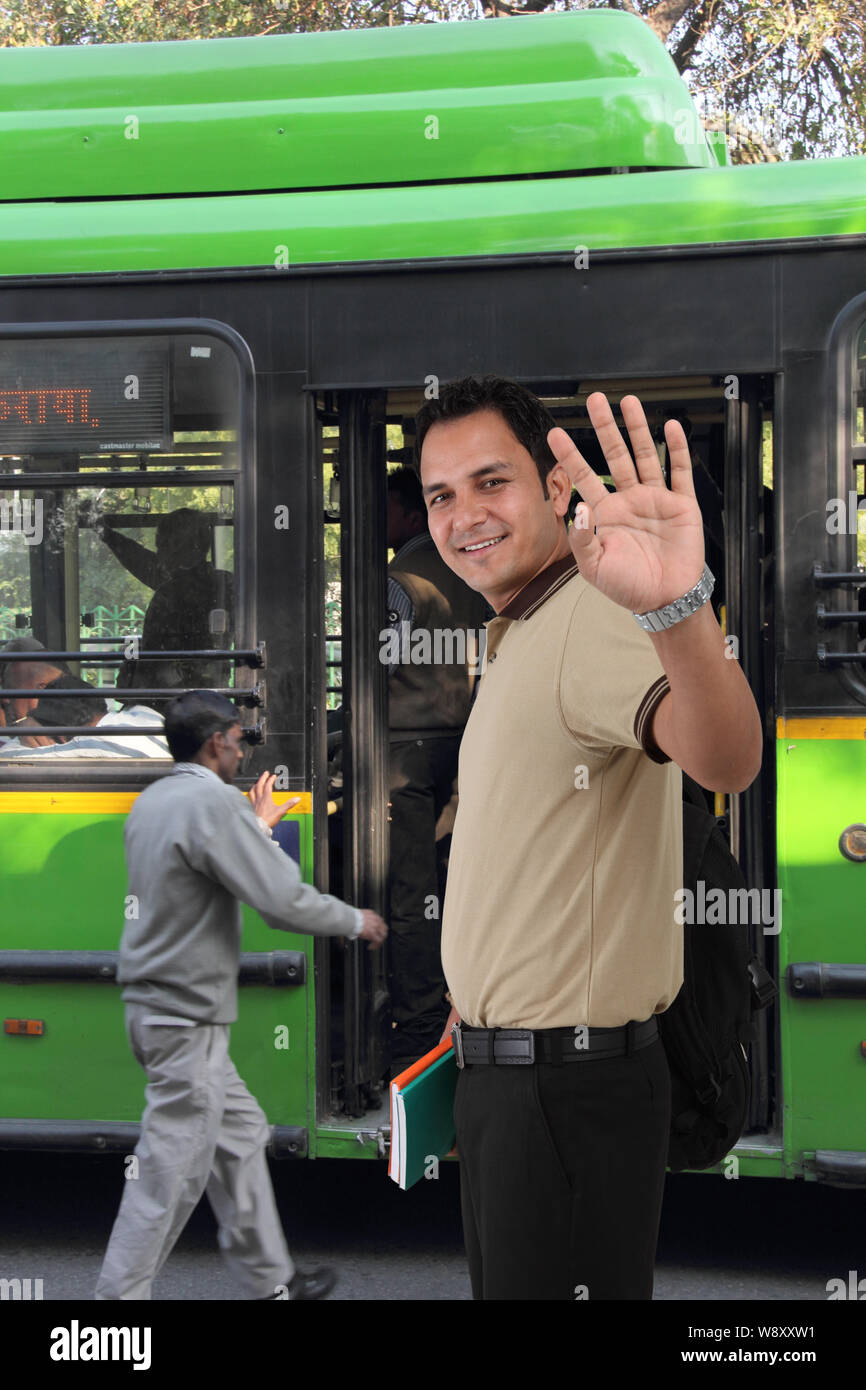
{"type": "Point", "coordinates": [523, 1047]}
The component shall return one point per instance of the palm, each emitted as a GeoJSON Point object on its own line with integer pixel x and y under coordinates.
{"type": "Point", "coordinates": [651, 547]}
{"type": "Point", "coordinates": [648, 545]}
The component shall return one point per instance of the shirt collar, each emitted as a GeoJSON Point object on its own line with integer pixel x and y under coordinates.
{"type": "Point", "coordinates": [545, 584]}
{"type": "Point", "coordinates": [197, 769]}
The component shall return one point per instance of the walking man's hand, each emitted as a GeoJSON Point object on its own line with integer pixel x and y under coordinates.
{"type": "Point", "coordinates": [374, 930]}
{"type": "Point", "coordinates": [648, 545]}
{"type": "Point", "coordinates": [262, 801]}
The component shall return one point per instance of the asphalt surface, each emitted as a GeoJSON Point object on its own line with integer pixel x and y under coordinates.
{"type": "Point", "coordinates": [750, 1239]}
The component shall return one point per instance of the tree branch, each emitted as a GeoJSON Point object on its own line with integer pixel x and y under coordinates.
{"type": "Point", "coordinates": [838, 76]}
{"type": "Point", "coordinates": [666, 15]}
{"type": "Point", "coordinates": [700, 23]}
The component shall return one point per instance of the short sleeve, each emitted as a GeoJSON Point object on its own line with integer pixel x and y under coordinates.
{"type": "Point", "coordinates": [611, 680]}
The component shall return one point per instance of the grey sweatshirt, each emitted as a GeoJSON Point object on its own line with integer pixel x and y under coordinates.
{"type": "Point", "coordinates": [193, 848]}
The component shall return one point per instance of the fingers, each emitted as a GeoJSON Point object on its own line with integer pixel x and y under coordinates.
{"type": "Point", "coordinates": [646, 453]}
{"type": "Point", "coordinates": [585, 479]}
{"type": "Point", "coordinates": [374, 930]}
{"type": "Point", "coordinates": [585, 545]}
{"type": "Point", "coordinates": [261, 799]}
{"type": "Point", "coordinates": [625, 473]}
{"type": "Point", "coordinates": [682, 473]}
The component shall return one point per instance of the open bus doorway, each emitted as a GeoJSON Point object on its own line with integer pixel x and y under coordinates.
{"type": "Point", "coordinates": [729, 424]}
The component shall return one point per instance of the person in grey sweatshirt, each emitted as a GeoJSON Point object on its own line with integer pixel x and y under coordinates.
{"type": "Point", "coordinates": [195, 849]}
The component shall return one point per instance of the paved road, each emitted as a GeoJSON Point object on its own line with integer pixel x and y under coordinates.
{"type": "Point", "coordinates": [750, 1239]}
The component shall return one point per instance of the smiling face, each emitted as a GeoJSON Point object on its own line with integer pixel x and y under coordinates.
{"type": "Point", "coordinates": [488, 515]}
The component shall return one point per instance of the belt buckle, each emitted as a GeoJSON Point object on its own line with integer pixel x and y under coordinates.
{"type": "Point", "coordinates": [517, 1035]}
{"type": "Point", "coordinates": [457, 1044]}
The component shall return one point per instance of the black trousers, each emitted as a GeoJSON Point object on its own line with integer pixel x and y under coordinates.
{"type": "Point", "coordinates": [562, 1172]}
{"type": "Point", "coordinates": [422, 774]}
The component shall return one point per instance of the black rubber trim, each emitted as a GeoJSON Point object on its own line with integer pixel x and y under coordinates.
{"type": "Point", "coordinates": [69, 1136]}
{"type": "Point", "coordinates": [817, 980]}
{"type": "Point", "coordinates": [256, 967]}
{"type": "Point", "coordinates": [89, 1136]}
{"type": "Point", "coordinates": [838, 1168]}
{"type": "Point", "coordinates": [288, 1141]}
{"type": "Point", "coordinates": [676, 251]}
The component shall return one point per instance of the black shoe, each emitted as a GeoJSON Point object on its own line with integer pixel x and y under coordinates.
{"type": "Point", "coordinates": [314, 1284]}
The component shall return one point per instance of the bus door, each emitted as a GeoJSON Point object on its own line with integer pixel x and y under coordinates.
{"type": "Point", "coordinates": [729, 425]}
{"type": "Point", "coordinates": [749, 612]}
{"type": "Point", "coordinates": [728, 422]}
{"type": "Point", "coordinates": [357, 1010]}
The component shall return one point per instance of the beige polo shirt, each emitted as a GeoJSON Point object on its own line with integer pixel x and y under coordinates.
{"type": "Point", "coordinates": [567, 847]}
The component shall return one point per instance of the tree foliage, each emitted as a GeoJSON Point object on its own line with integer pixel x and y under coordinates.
{"type": "Point", "coordinates": [36, 22]}
{"type": "Point", "coordinates": [784, 77]}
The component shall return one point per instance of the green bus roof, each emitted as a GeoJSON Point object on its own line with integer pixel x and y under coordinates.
{"type": "Point", "coordinates": [751, 203]}
{"type": "Point", "coordinates": [544, 94]}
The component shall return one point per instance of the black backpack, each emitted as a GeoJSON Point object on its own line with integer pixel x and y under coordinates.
{"type": "Point", "coordinates": [707, 1027]}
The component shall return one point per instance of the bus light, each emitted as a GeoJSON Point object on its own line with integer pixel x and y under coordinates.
{"type": "Point", "coordinates": [29, 1027]}
{"type": "Point", "coordinates": [852, 843]}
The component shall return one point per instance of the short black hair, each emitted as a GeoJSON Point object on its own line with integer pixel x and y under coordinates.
{"type": "Point", "coordinates": [184, 531]}
{"type": "Point", "coordinates": [526, 416]}
{"type": "Point", "coordinates": [406, 484]}
{"type": "Point", "coordinates": [190, 719]}
{"type": "Point", "coordinates": [67, 709]}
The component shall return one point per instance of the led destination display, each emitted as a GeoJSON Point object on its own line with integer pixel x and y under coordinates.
{"type": "Point", "coordinates": [83, 395]}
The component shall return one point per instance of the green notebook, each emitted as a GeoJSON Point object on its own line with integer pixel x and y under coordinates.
{"type": "Point", "coordinates": [422, 1120]}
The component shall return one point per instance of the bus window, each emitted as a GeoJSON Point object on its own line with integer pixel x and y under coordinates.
{"type": "Point", "coordinates": [840, 571]}
{"type": "Point", "coordinates": [119, 458]}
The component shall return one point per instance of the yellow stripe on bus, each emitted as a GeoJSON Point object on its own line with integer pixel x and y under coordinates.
{"type": "Point", "coordinates": [104, 803]}
{"type": "Point", "coordinates": [823, 726]}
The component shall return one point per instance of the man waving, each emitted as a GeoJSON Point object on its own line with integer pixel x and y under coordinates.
{"type": "Point", "coordinates": [606, 673]}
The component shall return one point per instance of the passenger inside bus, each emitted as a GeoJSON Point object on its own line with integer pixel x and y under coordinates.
{"type": "Point", "coordinates": [90, 714]}
{"type": "Point", "coordinates": [24, 675]}
{"type": "Point", "coordinates": [428, 705]}
{"type": "Point", "coordinates": [192, 607]}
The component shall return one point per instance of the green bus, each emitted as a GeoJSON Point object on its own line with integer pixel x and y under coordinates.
{"type": "Point", "coordinates": [230, 272]}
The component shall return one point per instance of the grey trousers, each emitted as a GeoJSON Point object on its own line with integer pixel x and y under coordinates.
{"type": "Point", "coordinates": [201, 1131]}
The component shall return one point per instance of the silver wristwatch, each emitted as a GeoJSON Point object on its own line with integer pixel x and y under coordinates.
{"type": "Point", "coordinates": [659, 619]}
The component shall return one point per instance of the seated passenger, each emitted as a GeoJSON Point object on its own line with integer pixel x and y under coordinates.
{"type": "Point", "coordinates": [24, 675]}
{"type": "Point", "coordinates": [99, 741]}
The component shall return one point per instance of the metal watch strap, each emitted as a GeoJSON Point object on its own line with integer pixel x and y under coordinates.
{"type": "Point", "coordinates": [660, 619]}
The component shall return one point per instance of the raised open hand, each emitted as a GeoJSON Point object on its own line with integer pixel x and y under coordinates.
{"type": "Point", "coordinates": [262, 801]}
{"type": "Point", "coordinates": [648, 544]}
